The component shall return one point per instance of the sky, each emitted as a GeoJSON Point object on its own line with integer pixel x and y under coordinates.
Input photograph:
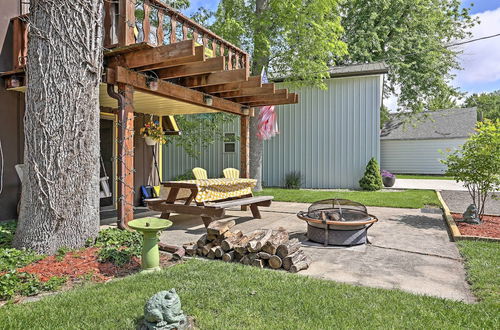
{"type": "Point", "coordinates": [480, 60]}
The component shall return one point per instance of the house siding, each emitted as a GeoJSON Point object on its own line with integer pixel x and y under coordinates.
{"type": "Point", "coordinates": [416, 156]}
{"type": "Point", "coordinates": [328, 137]}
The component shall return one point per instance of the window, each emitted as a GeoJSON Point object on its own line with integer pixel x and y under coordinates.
{"type": "Point", "coordinates": [229, 142]}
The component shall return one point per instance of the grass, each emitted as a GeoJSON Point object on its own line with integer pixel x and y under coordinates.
{"type": "Point", "coordinates": [414, 199]}
{"type": "Point", "coordinates": [423, 177]}
{"type": "Point", "coordinates": [232, 296]}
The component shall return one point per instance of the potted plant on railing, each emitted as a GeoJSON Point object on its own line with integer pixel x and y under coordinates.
{"type": "Point", "coordinates": [152, 133]}
{"type": "Point", "coordinates": [388, 178]}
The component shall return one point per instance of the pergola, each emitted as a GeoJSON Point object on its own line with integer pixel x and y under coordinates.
{"type": "Point", "coordinates": [164, 64]}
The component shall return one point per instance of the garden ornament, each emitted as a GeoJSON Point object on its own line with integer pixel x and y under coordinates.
{"type": "Point", "coordinates": [470, 215]}
{"type": "Point", "coordinates": [163, 311]}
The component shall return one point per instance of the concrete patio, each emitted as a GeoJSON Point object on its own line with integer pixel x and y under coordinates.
{"type": "Point", "coordinates": [410, 249]}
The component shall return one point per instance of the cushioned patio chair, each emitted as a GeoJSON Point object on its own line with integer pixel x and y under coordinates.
{"type": "Point", "coordinates": [200, 173]}
{"type": "Point", "coordinates": [231, 173]}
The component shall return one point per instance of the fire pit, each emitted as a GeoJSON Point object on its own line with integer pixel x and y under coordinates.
{"type": "Point", "coordinates": [337, 222]}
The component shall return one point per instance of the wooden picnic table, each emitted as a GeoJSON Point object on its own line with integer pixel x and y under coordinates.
{"type": "Point", "coordinates": [210, 197]}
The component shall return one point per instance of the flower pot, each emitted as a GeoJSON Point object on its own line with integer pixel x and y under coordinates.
{"type": "Point", "coordinates": [388, 181]}
{"type": "Point", "coordinates": [149, 141]}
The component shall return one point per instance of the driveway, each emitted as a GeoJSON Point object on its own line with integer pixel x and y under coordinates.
{"type": "Point", "coordinates": [428, 184]}
{"type": "Point", "coordinates": [410, 249]}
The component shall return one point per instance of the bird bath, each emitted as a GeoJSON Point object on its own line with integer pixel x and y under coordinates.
{"type": "Point", "coordinates": [149, 227]}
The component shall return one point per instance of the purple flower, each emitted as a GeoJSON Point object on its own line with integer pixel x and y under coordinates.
{"type": "Point", "coordinates": [387, 174]}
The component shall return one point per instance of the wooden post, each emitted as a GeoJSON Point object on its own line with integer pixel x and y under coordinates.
{"type": "Point", "coordinates": [245, 146]}
{"type": "Point", "coordinates": [126, 34]}
{"type": "Point", "coordinates": [126, 156]}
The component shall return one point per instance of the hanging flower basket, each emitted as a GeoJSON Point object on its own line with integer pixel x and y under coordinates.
{"type": "Point", "coordinates": [153, 134]}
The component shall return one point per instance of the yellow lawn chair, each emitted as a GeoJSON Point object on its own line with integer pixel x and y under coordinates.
{"type": "Point", "coordinates": [200, 173]}
{"type": "Point", "coordinates": [231, 173]}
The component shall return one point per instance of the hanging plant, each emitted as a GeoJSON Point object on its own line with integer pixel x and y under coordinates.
{"type": "Point", "coordinates": [153, 133]}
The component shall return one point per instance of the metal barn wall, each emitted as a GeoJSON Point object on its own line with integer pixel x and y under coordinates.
{"type": "Point", "coordinates": [416, 156]}
{"type": "Point", "coordinates": [213, 158]}
{"type": "Point", "coordinates": [328, 137]}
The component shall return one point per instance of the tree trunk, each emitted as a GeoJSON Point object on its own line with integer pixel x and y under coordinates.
{"type": "Point", "coordinates": [60, 198]}
{"type": "Point", "coordinates": [260, 60]}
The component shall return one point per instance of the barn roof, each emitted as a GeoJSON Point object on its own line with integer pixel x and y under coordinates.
{"type": "Point", "coordinates": [444, 124]}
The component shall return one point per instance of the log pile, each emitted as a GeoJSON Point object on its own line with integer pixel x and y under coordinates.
{"type": "Point", "coordinates": [261, 248]}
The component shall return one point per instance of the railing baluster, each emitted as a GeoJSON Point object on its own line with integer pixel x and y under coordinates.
{"type": "Point", "coordinates": [159, 29]}
{"type": "Point", "coordinates": [229, 59]}
{"type": "Point", "coordinates": [184, 31]}
{"type": "Point", "coordinates": [107, 24]}
{"type": "Point", "coordinates": [195, 35]}
{"type": "Point", "coordinates": [146, 24]}
{"type": "Point", "coordinates": [173, 29]}
{"type": "Point", "coordinates": [205, 40]}
{"type": "Point", "coordinates": [127, 23]}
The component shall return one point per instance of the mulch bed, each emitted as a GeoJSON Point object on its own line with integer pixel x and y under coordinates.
{"type": "Point", "coordinates": [83, 264]}
{"type": "Point", "coordinates": [489, 228]}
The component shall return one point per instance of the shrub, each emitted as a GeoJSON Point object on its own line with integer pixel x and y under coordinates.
{"type": "Point", "coordinates": [371, 180]}
{"type": "Point", "coordinates": [15, 283]}
{"type": "Point", "coordinates": [13, 258]}
{"type": "Point", "coordinates": [7, 231]}
{"type": "Point", "coordinates": [117, 246]}
{"type": "Point", "coordinates": [477, 163]}
{"type": "Point", "coordinates": [293, 180]}
{"type": "Point", "coordinates": [188, 175]}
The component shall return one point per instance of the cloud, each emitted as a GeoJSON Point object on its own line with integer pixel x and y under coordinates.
{"type": "Point", "coordinates": [480, 60]}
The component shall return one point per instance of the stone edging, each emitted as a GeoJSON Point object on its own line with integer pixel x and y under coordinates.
{"type": "Point", "coordinates": [453, 229]}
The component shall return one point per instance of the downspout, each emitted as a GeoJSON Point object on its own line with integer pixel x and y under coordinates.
{"type": "Point", "coordinates": [121, 135]}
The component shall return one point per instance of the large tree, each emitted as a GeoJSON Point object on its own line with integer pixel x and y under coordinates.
{"type": "Point", "coordinates": [414, 38]}
{"type": "Point", "coordinates": [295, 39]}
{"type": "Point", "coordinates": [60, 197]}
{"type": "Point", "coordinates": [488, 104]}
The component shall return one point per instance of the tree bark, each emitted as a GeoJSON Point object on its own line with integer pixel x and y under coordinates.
{"type": "Point", "coordinates": [260, 60]}
{"type": "Point", "coordinates": [60, 198]}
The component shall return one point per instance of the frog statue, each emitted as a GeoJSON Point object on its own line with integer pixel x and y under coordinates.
{"type": "Point", "coordinates": [163, 311]}
{"type": "Point", "coordinates": [471, 216]}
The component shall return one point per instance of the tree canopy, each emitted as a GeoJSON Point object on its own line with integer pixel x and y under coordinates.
{"type": "Point", "coordinates": [413, 38]}
{"type": "Point", "coordinates": [488, 104]}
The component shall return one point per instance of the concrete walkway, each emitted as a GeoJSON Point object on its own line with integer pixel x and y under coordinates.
{"type": "Point", "coordinates": [410, 249]}
{"type": "Point", "coordinates": [428, 184]}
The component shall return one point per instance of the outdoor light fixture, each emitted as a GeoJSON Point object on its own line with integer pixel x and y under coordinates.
{"type": "Point", "coordinates": [208, 99]}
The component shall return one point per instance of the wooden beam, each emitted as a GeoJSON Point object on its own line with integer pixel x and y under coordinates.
{"type": "Point", "coordinates": [155, 55]}
{"type": "Point", "coordinates": [126, 155]}
{"type": "Point", "coordinates": [250, 91]}
{"type": "Point", "coordinates": [253, 81]}
{"type": "Point", "coordinates": [199, 55]}
{"type": "Point", "coordinates": [173, 91]}
{"type": "Point", "coordinates": [245, 146]}
{"type": "Point", "coordinates": [291, 99]}
{"type": "Point", "coordinates": [216, 78]}
{"type": "Point", "coordinates": [278, 95]}
{"type": "Point", "coordinates": [213, 64]}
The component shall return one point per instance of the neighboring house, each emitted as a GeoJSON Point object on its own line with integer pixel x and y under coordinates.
{"type": "Point", "coordinates": [329, 136]}
{"type": "Point", "coordinates": [417, 147]}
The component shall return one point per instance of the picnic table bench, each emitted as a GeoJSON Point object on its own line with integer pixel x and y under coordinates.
{"type": "Point", "coordinates": [211, 198]}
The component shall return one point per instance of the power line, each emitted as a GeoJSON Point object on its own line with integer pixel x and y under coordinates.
{"type": "Point", "coordinates": [473, 40]}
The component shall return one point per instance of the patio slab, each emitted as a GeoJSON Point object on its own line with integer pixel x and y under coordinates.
{"type": "Point", "coordinates": [410, 249]}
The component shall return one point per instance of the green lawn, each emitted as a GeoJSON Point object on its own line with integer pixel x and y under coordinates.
{"type": "Point", "coordinates": [232, 296]}
{"type": "Point", "coordinates": [405, 198]}
{"type": "Point", "coordinates": [424, 177]}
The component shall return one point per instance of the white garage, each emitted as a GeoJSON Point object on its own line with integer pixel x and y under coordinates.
{"type": "Point", "coordinates": [415, 148]}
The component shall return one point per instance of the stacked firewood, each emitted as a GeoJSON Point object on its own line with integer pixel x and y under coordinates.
{"type": "Point", "coordinates": [261, 248]}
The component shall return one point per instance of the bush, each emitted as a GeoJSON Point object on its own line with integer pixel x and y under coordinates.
{"type": "Point", "coordinates": [371, 180]}
{"type": "Point", "coordinates": [293, 180]}
{"type": "Point", "coordinates": [11, 258]}
{"type": "Point", "coordinates": [188, 175]}
{"type": "Point", "coordinates": [117, 246]}
{"type": "Point", "coordinates": [7, 231]}
{"type": "Point", "coordinates": [477, 163]}
{"type": "Point", "coordinates": [14, 283]}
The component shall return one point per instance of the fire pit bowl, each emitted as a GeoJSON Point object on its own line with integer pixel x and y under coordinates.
{"type": "Point", "coordinates": [337, 222]}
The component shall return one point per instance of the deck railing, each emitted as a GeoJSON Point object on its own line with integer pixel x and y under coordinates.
{"type": "Point", "coordinates": [128, 22]}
